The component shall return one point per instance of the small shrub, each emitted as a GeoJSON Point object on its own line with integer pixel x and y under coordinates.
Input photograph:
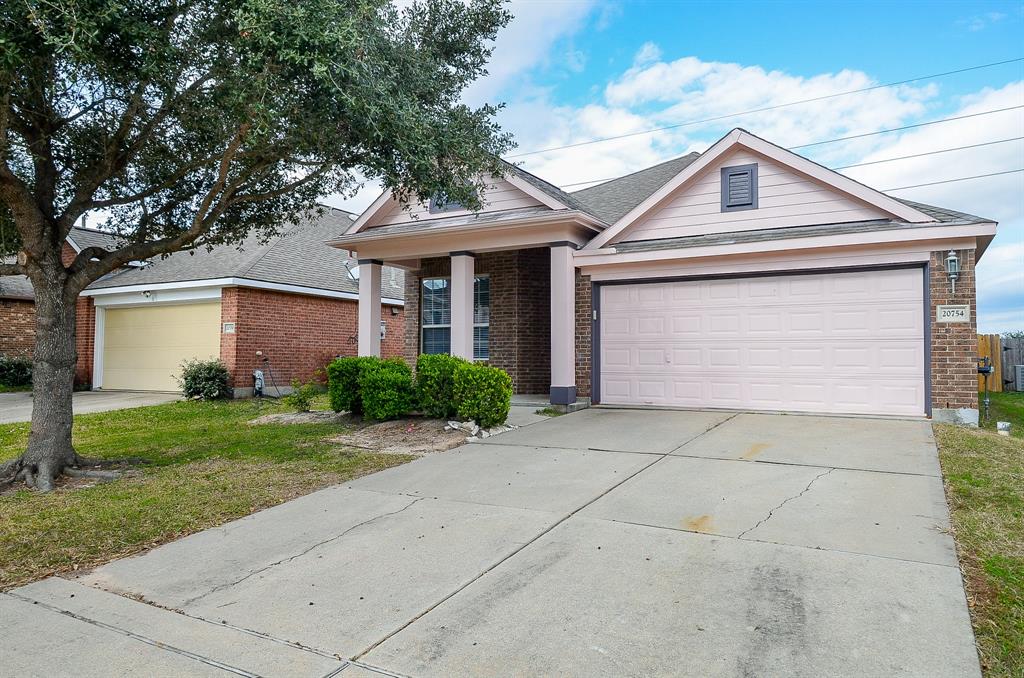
{"type": "Point", "coordinates": [301, 397]}
{"type": "Point", "coordinates": [343, 383]}
{"type": "Point", "coordinates": [205, 379]}
{"type": "Point", "coordinates": [435, 384]}
{"type": "Point", "coordinates": [15, 371]}
{"type": "Point", "coordinates": [386, 389]}
{"type": "Point", "coordinates": [483, 394]}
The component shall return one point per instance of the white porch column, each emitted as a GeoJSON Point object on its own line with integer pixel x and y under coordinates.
{"type": "Point", "coordinates": [563, 325]}
{"type": "Point", "coordinates": [369, 307]}
{"type": "Point", "coordinates": [462, 304]}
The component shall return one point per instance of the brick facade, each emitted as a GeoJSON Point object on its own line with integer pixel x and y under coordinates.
{"type": "Point", "coordinates": [520, 321]}
{"type": "Point", "coordinates": [954, 369]}
{"type": "Point", "coordinates": [85, 341]}
{"type": "Point", "coordinates": [17, 327]}
{"type": "Point", "coordinates": [299, 334]}
{"type": "Point", "coordinates": [584, 330]}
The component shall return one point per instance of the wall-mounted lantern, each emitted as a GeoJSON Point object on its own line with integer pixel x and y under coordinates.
{"type": "Point", "coordinates": [952, 269]}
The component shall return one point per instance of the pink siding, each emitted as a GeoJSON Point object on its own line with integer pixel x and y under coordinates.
{"type": "Point", "coordinates": [501, 196]}
{"type": "Point", "coordinates": [785, 198]}
{"type": "Point", "coordinates": [839, 343]}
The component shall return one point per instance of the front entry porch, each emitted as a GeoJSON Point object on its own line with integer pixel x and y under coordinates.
{"type": "Point", "coordinates": [514, 309]}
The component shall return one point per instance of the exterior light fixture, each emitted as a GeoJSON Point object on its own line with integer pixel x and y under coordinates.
{"type": "Point", "coordinates": [383, 329]}
{"type": "Point", "coordinates": [952, 269]}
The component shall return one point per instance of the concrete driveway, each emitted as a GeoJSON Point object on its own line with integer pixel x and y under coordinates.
{"type": "Point", "coordinates": [606, 542]}
{"type": "Point", "coordinates": [18, 406]}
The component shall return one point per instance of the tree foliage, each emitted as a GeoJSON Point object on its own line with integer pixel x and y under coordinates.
{"type": "Point", "coordinates": [190, 123]}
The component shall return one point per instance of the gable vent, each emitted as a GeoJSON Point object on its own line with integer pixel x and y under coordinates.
{"type": "Point", "coordinates": [739, 188]}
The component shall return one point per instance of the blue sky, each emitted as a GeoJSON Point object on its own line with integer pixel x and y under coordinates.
{"type": "Point", "coordinates": [579, 70]}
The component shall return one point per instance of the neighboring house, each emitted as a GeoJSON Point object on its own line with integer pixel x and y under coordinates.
{"type": "Point", "coordinates": [18, 306]}
{"type": "Point", "coordinates": [746, 277]}
{"type": "Point", "coordinates": [289, 303]}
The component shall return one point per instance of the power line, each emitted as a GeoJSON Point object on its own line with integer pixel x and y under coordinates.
{"type": "Point", "coordinates": [950, 181]}
{"type": "Point", "coordinates": [768, 108]}
{"type": "Point", "coordinates": [920, 155]}
{"type": "Point", "coordinates": [906, 127]}
{"type": "Point", "coordinates": [860, 164]}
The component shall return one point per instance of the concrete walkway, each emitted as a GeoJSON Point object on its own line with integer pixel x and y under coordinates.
{"type": "Point", "coordinates": [18, 406]}
{"type": "Point", "coordinates": [606, 542]}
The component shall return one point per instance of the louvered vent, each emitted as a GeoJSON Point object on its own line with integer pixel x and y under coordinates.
{"type": "Point", "coordinates": [739, 188]}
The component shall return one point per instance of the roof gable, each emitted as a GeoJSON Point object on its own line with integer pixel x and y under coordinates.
{"type": "Point", "coordinates": [689, 203]}
{"type": "Point", "coordinates": [613, 199]}
{"type": "Point", "coordinates": [516, 190]}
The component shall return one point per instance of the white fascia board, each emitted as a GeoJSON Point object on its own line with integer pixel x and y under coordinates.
{"type": "Point", "coordinates": [369, 212]}
{"type": "Point", "coordinates": [218, 283]}
{"type": "Point", "coordinates": [970, 233]}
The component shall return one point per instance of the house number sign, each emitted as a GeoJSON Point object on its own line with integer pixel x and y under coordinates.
{"type": "Point", "coordinates": [953, 314]}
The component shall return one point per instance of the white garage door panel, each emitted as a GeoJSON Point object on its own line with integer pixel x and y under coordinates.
{"type": "Point", "coordinates": [840, 342]}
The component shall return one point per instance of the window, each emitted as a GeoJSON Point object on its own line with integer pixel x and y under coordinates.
{"type": "Point", "coordinates": [436, 316]}
{"type": "Point", "coordinates": [440, 202]}
{"type": "Point", "coordinates": [739, 188]}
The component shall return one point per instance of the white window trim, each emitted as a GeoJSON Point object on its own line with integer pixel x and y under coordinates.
{"type": "Point", "coordinates": [448, 324]}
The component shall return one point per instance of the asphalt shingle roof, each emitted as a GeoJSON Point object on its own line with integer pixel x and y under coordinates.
{"type": "Point", "coordinates": [296, 256]}
{"type": "Point", "coordinates": [613, 199]}
{"type": "Point", "coordinates": [90, 237]}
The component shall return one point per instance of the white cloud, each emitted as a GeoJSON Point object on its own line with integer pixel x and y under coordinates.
{"type": "Point", "coordinates": [647, 53]}
{"type": "Point", "coordinates": [527, 43]}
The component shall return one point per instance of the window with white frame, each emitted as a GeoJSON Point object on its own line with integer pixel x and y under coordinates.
{"type": "Point", "coordinates": [436, 316]}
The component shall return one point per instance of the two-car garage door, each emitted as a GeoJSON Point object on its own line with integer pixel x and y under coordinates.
{"type": "Point", "coordinates": [838, 342]}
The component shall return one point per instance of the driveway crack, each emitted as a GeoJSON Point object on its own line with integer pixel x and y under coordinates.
{"type": "Point", "coordinates": [784, 502]}
{"type": "Point", "coordinates": [312, 547]}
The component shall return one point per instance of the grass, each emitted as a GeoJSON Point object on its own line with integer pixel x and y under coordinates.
{"type": "Point", "coordinates": [4, 388]}
{"type": "Point", "coordinates": [207, 465]}
{"type": "Point", "coordinates": [549, 412]}
{"type": "Point", "coordinates": [984, 475]}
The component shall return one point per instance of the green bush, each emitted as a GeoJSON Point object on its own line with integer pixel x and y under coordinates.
{"type": "Point", "coordinates": [205, 379]}
{"type": "Point", "coordinates": [483, 394]}
{"type": "Point", "coordinates": [301, 397]}
{"type": "Point", "coordinates": [343, 383]}
{"type": "Point", "coordinates": [435, 384]}
{"type": "Point", "coordinates": [386, 389]}
{"type": "Point", "coordinates": [15, 371]}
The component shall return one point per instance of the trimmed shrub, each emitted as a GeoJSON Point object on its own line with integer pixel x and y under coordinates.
{"type": "Point", "coordinates": [483, 394]}
{"type": "Point", "coordinates": [301, 397]}
{"type": "Point", "coordinates": [205, 379]}
{"type": "Point", "coordinates": [386, 389]}
{"type": "Point", "coordinates": [15, 371]}
{"type": "Point", "coordinates": [435, 384]}
{"type": "Point", "coordinates": [343, 383]}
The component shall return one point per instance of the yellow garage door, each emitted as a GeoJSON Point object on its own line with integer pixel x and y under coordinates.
{"type": "Point", "coordinates": [143, 348]}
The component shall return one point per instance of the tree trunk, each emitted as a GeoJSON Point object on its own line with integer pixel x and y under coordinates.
{"type": "Point", "coordinates": [49, 448]}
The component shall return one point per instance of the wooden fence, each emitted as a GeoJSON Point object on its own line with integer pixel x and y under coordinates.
{"type": "Point", "coordinates": [1005, 352]}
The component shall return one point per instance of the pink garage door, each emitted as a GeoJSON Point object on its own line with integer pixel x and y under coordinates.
{"type": "Point", "coordinates": [834, 342]}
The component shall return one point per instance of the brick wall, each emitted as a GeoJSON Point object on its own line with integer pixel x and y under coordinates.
{"type": "Point", "coordinates": [520, 322]}
{"type": "Point", "coordinates": [17, 327]}
{"type": "Point", "coordinates": [299, 333]}
{"type": "Point", "coordinates": [584, 328]}
{"type": "Point", "coordinates": [85, 341]}
{"type": "Point", "coordinates": [954, 345]}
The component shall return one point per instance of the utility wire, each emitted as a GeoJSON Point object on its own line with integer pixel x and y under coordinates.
{"type": "Point", "coordinates": [950, 181]}
{"type": "Point", "coordinates": [768, 108]}
{"type": "Point", "coordinates": [860, 164]}
{"type": "Point", "coordinates": [906, 127]}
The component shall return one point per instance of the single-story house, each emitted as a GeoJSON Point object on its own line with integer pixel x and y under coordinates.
{"type": "Point", "coordinates": [289, 304]}
{"type": "Point", "coordinates": [745, 277]}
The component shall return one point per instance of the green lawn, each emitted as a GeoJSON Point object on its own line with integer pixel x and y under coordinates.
{"type": "Point", "coordinates": [985, 485]}
{"type": "Point", "coordinates": [207, 465]}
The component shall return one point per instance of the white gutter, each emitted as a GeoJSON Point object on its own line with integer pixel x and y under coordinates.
{"type": "Point", "coordinates": [233, 282]}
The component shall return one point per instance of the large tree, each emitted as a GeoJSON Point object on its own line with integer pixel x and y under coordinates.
{"type": "Point", "coordinates": [192, 123]}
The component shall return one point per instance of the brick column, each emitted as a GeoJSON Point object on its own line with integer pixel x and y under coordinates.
{"type": "Point", "coordinates": [954, 346]}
